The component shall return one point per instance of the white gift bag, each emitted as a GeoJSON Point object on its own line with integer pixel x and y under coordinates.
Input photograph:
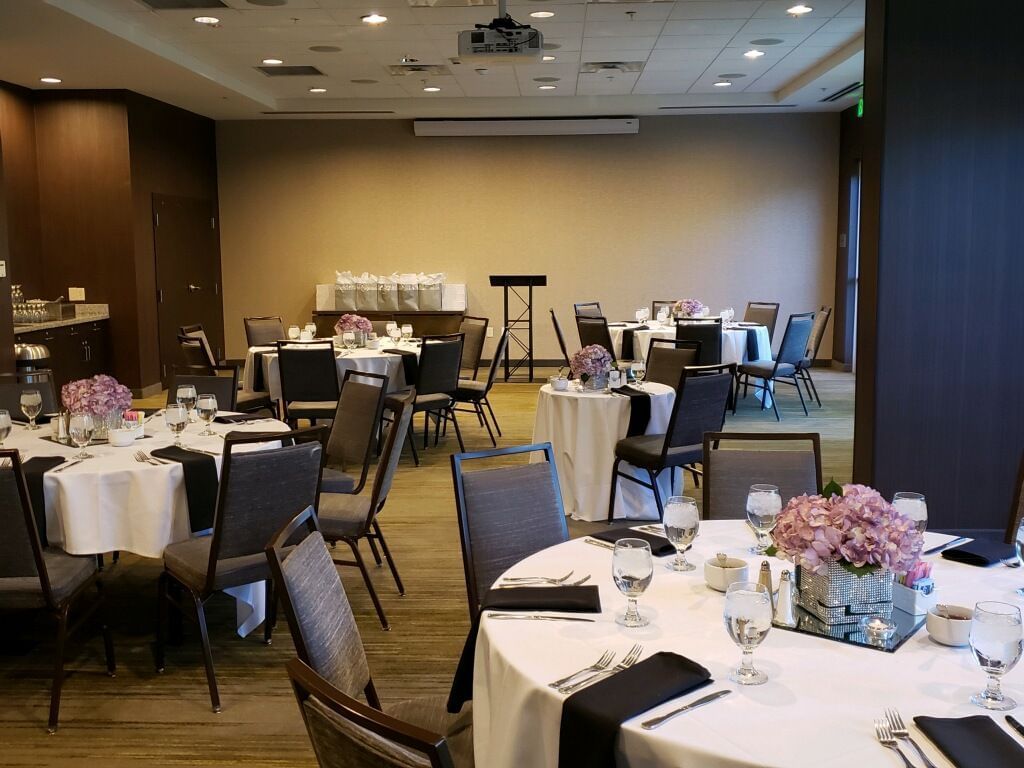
{"type": "Point", "coordinates": [408, 292]}
{"type": "Point", "coordinates": [366, 293]}
{"type": "Point", "coordinates": [344, 292]}
{"type": "Point", "coordinates": [387, 293]}
{"type": "Point", "coordinates": [430, 291]}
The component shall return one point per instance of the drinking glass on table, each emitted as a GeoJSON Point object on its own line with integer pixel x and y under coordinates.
{"type": "Point", "coordinates": [310, 328]}
{"type": "Point", "coordinates": [206, 409]}
{"type": "Point", "coordinates": [632, 571]}
{"type": "Point", "coordinates": [681, 525]}
{"type": "Point", "coordinates": [5, 426]}
{"type": "Point", "coordinates": [348, 338]}
{"type": "Point", "coordinates": [639, 315]}
{"type": "Point", "coordinates": [763, 507]}
{"type": "Point", "coordinates": [394, 332]}
{"type": "Point", "coordinates": [186, 396]}
{"type": "Point", "coordinates": [293, 332]}
{"type": "Point", "coordinates": [176, 418]}
{"type": "Point", "coordinates": [912, 505]}
{"type": "Point", "coordinates": [406, 332]}
{"type": "Point", "coordinates": [748, 617]}
{"type": "Point", "coordinates": [639, 371]}
{"type": "Point", "coordinates": [31, 405]}
{"type": "Point", "coordinates": [997, 639]}
{"type": "Point", "coordinates": [80, 429]}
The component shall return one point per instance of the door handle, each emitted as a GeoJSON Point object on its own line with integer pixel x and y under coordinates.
{"type": "Point", "coordinates": [194, 288]}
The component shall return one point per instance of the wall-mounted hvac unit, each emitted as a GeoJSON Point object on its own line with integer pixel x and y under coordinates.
{"type": "Point", "coordinates": [551, 127]}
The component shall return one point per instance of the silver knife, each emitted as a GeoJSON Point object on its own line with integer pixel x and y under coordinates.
{"type": "Point", "coordinates": [65, 465]}
{"type": "Point", "coordinates": [656, 721]}
{"type": "Point", "coordinates": [945, 546]}
{"type": "Point", "coordinates": [536, 617]}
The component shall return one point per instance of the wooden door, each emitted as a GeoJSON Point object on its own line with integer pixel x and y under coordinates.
{"type": "Point", "coordinates": [187, 274]}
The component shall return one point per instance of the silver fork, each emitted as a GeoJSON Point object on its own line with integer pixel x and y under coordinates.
{"type": "Point", "coordinates": [886, 739]}
{"type": "Point", "coordinates": [548, 579]}
{"type": "Point", "coordinates": [601, 664]}
{"type": "Point", "coordinates": [576, 583]}
{"type": "Point", "coordinates": [142, 458]}
{"type": "Point", "coordinates": [899, 730]}
{"type": "Point", "coordinates": [628, 661]}
{"type": "Point", "coordinates": [599, 543]}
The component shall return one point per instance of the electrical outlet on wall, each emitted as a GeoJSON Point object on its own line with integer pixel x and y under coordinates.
{"type": "Point", "coordinates": [3, 269]}
{"type": "Point", "coordinates": [490, 332]}
{"type": "Point", "coordinates": [76, 294]}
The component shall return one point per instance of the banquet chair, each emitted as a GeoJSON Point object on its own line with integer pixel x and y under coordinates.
{"type": "Point", "coordinates": [197, 332]}
{"type": "Point", "coordinates": [260, 491]}
{"type": "Point", "coordinates": [789, 460]}
{"type": "Point", "coordinates": [708, 333]}
{"type": "Point", "coordinates": [474, 331]}
{"type": "Point", "coordinates": [222, 387]}
{"type": "Point", "coordinates": [309, 380]}
{"type": "Point", "coordinates": [197, 363]}
{"type": "Point", "coordinates": [352, 439]}
{"type": "Point", "coordinates": [764, 313]}
{"type": "Point", "coordinates": [505, 514]}
{"type": "Point", "coordinates": [13, 384]}
{"type": "Point", "coordinates": [437, 380]}
{"type": "Point", "coordinates": [666, 359]}
{"type": "Point", "coordinates": [821, 318]}
{"type": "Point", "coordinates": [264, 331]}
{"type": "Point", "coordinates": [699, 407]}
{"type": "Point", "coordinates": [588, 309]}
{"type": "Point", "coordinates": [594, 330]}
{"type": "Point", "coordinates": [784, 367]}
{"type": "Point", "coordinates": [560, 337]}
{"type": "Point", "coordinates": [474, 393]}
{"type": "Point", "coordinates": [656, 307]}
{"type": "Point", "coordinates": [36, 578]}
{"type": "Point", "coordinates": [1017, 508]}
{"type": "Point", "coordinates": [350, 517]}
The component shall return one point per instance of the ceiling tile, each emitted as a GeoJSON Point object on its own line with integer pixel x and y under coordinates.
{"type": "Point", "coordinates": [730, 9]}
{"type": "Point", "coordinates": [700, 27]}
{"type": "Point", "coordinates": [776, 9]}
{"type": "Point", "coordinates": [591, 44]}
{"type": "Point", "coordinates": [717, 42]}
{"type": "Point", "coordinates": [622, 28]}
{"type": "Point", "coordinates": [622, 11]}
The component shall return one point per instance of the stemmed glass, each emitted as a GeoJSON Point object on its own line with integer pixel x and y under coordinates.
{"type": "Point", "coordinates": [639, 315]}
{"type": "Point", "coordinates": [206, 409]}
{"type": "Point", "coordinates": [186, 396]}
{"type": "Point", "coordinates": [394, 333]}
{"type": "Point", "coordinates": [681, 525]}
{"type": "Point", "coordinates": [348, 338]}
{"type": "Point", "coordinates": [912, 506]}
{"type": "Point", "coordinates": [748, 617]}
{"type": "Point", "coordinates": [406, 332]}
{"type": "Point", "coordinates": [632, 570]}
{"type": "Point", "coordinates": [763, 507]}
{"type": "Point", "coordinates": [31, 405]}
{"type": "Point", "coordinates": [997, 639]}
{"type": "Point", "coordinates": [176, 418]}
{"type": "Point", "coordinates": [5, 426]}
{"type": "Point", "coordinates": [80, 428]}
{"type": "Point", "coordinates": [639, 371]}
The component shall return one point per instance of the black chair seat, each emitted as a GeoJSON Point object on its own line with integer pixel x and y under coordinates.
{"type": "Point", "coordinates": [251, 401]}
{"type": "Point", "coordinates": [188, 560]}
{"type": "Point", "coordinates": [343, 515]}
{"type": "Point", "coordinates": [645, 451]}
{"type": "Point", "coordinates": [470, 390]}
{"type": "Point", "coordinates": [312, 409]}
{"type": "Point", "coordinates": [66, 573]}
{"type": "Point", "coordinates": [335, 481]}
{"type": "Point", "coordinates": [763, 369]}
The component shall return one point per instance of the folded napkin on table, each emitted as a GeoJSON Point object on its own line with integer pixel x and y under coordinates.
{"type": "Point", "coordinates": [972, 742]}
{"type": "Point", "coordinates": [981, 552]}
{"type": "Point", "coordinates": [617, 325]}
{"type": "Point", "coordinates": [258, 383]}
{"type": "Point", "coordinates": [582, 599]}
{"type": "Point", "coordinates": [42, 418]}
{"type": "Point", "coordinates": [627, 352]}
{"type": "Point", "coordinates": [660, 546]}
{"type": "Point", "coordinates": [33, 470]}
{"type": "Point", "coordinates": [201, 482]}
{"type": "Point", "coordinates": [639, 410]}
{"type": "Point", "coordinates": [238, 418]}
{"type": "Point", "coordinates": [592, 717]}
{"type": "Point", "coordinates": [410, 363]}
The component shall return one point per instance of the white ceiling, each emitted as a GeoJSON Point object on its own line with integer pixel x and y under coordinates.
{"type": "Point", "coordinates": [683, 47]}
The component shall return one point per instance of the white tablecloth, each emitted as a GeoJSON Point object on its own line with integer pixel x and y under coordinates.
{"type": "Point", "coordinates": [734, 341]}
{"type": "Point", "coordinates": [583, 428]}
{"type": "Point", "coordinates": [815, 711]}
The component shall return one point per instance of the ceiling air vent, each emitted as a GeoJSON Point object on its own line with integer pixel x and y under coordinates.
{"type": "Point", "coordinates": [419, 69]}
{"type": "Point", "coordinates": [843, 92]}
{"type": "Point", "coordinates": [181, 5]}
{"type": "Point", "coordinates": [297, 70]}
{"type": "Point", "coordinates": [594, 67]}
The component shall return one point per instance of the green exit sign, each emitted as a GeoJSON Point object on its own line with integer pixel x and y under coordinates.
{"type": "Point", "coordinates": [860, 107]}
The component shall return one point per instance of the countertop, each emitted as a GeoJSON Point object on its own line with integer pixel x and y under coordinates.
{"type": "Point", "coordinates": [86, 313]}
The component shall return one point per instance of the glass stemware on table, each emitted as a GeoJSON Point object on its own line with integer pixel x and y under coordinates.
{"type": "Point", "coordinates": [642, 315]}
{"type": "Point", "coordinates": [206, 410]}
{"type": "Point", "coordinates": [394, 332]}
{"type": "Point", "coordinates": [997, 639]}
{"type": "Point", "coordinates": [186, 396]}
{"type": "Point", "coordinates": [348, 339]}
{"type": "Point", "coordinates": [6, 425]}
{"type": "Point", "coordinates": [176, 418]}
{"type": "Point", "coordinates": [682, 522]}
{"type": "Point", "coordinates": [764, 503]}
{"type": "Point", "coordinates": [294, 332]}
{"type": "Point", "coordinates": [406, 333]}
{"type": "Point", "coordinates": [80, 429]}
{"type": "Point", "coordinates": [632, 571]}
{"type": "Point", "coordinates": [31, 405]}
{"type": "Point", "coordinates": [748, 617]}
{"type": "Point", "coordinates": [912, 505]}
{"type": "Point", "coordinates": [639, 370]}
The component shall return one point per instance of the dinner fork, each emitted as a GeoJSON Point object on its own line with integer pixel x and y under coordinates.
{"type": "Point", "coordinates": [142, 458]}
{"type": "Point", "coordinates": [886, 739]}
{"type": "Point", "coordinates": [599, 543]}
{"type": "Point", "coordinates": [628, 661]}
{"type": "Point", "coordinates": [899, 730]}
{"type": "Point", "coordinates": [545, 583]}
{"type": "Point", "coordinates": [550, 579]}
{"type": "Point", "coordinates": [598, 666]}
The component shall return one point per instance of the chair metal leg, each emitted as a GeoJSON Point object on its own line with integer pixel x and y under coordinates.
{"type": "Point", "coordinates": [412, 445]}
{"type": "Point", "coordinates": [271, 619]}
{"type": "Point", "coordinates": [490, 410]}
{"type": "Point", "coordinates": [58, 669]}
{"type": "Point", "coordinates": [615, 485]}
{"type": "Point", "coordinates": [437, 427]}
{"type": "Point", "coordinates": [775, 401]}
{"type": "Point", "coordinates": [354, 546]}
{"type": "Point", "coordinates": [374, 552]}
{"type": "Point", "coordinates": [657, 494]}
{"type": "Point", "coordinates": [390, 559]}
{"type": "Point", "coordinates": [696, 475]}
{"type": "Point", "coordinates": [486, 423]}
{"type": "Point", "coordinates": [458, 432]}
{"type": "Point", "coordinates": [426, 430]}
{"type": "Point", "coordinates": [813, 391]}
{"type": "Point", "coordinates": [162, 609]}
{"type": "Point", "coordinates": [799, 391]}
{"type": "Point", "coordinates": [211, 675]}
{"type": "Point", "coordinates": [108, 640]}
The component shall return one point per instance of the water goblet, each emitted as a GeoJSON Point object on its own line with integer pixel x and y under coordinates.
{"type": "Point", "coordinates": [176, 418]}
{"type": "Point", "coordinates": [406, 332]}
{"type": "Point", "coordinates": [348, 338]}
{"type": "Point", "coordinates": [639, 371]}
{"type": "Point", "coordinates": [206, 409]}
{"type": "Point", "coordinates": [80, 429]}
{"type": "Point", "coordinates": [31, 405]}
{"type": "Point", "coordinates": [639, 315]}
{"type": "Point", "coordinates": [912, 506]}
{"type": "Point", "coordinates": [186, 396]}
{"type": "Point", "coordinates": [293, 332]}
{"type": "Point", "coordinates": [310, 328]}
{"type": "Point", "coordinates": [681, 525]}
{"type": "Point", "coordinates": [394, 333]}
{"type": "Point", "coordinates": [632, 571]}
{"type": "Point", "coordinates": [748, 617]}
{"type": "Point", "coordinates": [997, 639]}
{"type": "Point", "coordinates": [6, 425]}
{"type": "Point", "coordinates": [763, 507]}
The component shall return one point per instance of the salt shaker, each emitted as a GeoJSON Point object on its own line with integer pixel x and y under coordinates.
{"type": "Point", "coordinates": [785, 610]}
{"type": "Point", "coordinates": [765, 578]}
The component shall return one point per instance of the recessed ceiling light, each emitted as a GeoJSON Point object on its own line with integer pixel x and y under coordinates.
{"type": "Point", "coordinates": [722, 84]}
{"type": "Point", "coordinates": [547, 58]}
{"type": "Point", "coordinates": [206, 20]}
{"type": "Point", "coordinates": [542, 14]}
{"type": "Point", "coordinates": [799, 10]}
{"type": "Point", "coordinates": [431, 89]}
{"type": "Point", "coordinates": [374, 18]}
{"type": "Point", "coordinates": [318, 90]}
{"type": "Point", "coordinates": [546, 87]}
{"type": "Point", "coordinates": [753, 53]}
{"type": "Point", "coordinates": [50, 80]}
{"type": "Point", "coordinates": [272, 62]}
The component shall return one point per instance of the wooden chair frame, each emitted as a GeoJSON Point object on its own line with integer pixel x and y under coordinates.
{"type": "Point", "coordinates": [1017, 510]}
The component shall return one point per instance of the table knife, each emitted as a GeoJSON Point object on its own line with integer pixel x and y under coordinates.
{"type": "Point", "coordinates": [656, 721]}
{"type": "Point", "coordinates": [1015, 724]}
{"type": "Point", "coordinates": [536, 617]}
{"type": "Point", "coordinates": [947, 545]}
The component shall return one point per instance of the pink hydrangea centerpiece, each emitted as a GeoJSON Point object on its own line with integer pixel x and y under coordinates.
{"type": "Point", "coordinates": [349, 322]}
{"type": "Point", "coordinates": [593, 360]}
{"type": "Point", "coordinates": [689, 307]}
{"type": "Point", "coordinates": [101, 395]}
{"type": "Point", "coordinates": [852, 525]}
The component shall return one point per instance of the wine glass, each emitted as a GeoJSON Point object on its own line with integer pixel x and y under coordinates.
{"type": "Point", "coordinates": [293, 332]}
{"type": "Point", "coordinates": [997, 639]}
{"type": "Point", "coordinates": [663, 315]}
{"type": "Point", "coordinates": [310, 328]}
{"type": "Point", "coordinates": [80, 428]}
{"type": "Point", "coordinates": [406, 332]}
{"type": "Point", "coordinates": [348, 338]}
{"type": "Point", "coordinates": [206, 409]}
{"type": "Point", "coordinates": [632, 570]}
{"type": "Point", "coordinates": [176, 418]}
{"type": "Point", "coordinates": [186, 396]}
{"type": "Point", "coordinates": [639, 371]}
{"type": "Point", "coordinates": [31, 405]}
{"type": "Point", "coordinates": [394, 333]}
{"type": "Point", "coordinates": [748, 617]}
{"type": "Point", "coordinates": [639, 315]}
{"type": "Point", "coordinates": [763, 507]}
{"type": "Point", "coordinates": [5, 426]}
{"type": "Point", "coordinates": [912, 505]}
{"type": "Point", "coordinates": [681, 525]}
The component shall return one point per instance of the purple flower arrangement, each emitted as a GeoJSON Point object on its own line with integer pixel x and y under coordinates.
{"type": "Point", "coordinates": [689, 307]}
{"type": "Point", "coordinates": [98, 396]}
{"type": "Point", "coordinates": [348, 322]}
{"type": "Point", "coordinates": [855, 527]}
{"type": "Point", "coordinates": [590, 361]}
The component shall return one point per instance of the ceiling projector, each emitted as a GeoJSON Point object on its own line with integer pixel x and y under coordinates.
{"type": "Point", "coordinates": [504, 40]}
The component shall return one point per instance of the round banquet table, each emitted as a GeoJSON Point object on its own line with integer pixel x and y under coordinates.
{"type": "Point", "coordinates": [583, 428]}
{"type": "Point", "coordinates": [735, 341]}
{"type": "Point", "coordinates": [816, 710]}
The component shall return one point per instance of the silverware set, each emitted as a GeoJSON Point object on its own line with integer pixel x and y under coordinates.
{"type": "Point", "coordinates": [67, 464]}
{"type": "Point", "coordinates": [891, 731]}
{"type": "Point", "coordinates": [534, 617]}
{"type": "Point", "coordinates": [654, 722]}
{"type": "Point", "coordinates": [598, 671]}
{"type": "Point", "coordinates": [598, 543]}
{"type": "Point", "coordinates": [144, 458]}
{"type": "Point", "coordinates": [533, 581]}
{"type": "Point", "coordinates": [657, 530]}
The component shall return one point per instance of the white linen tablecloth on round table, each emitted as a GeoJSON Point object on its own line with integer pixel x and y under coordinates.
{"type": "Point", "coordinates": [815, 711]}
{"type": "Point", "coordinates": [734, 341]}
{"type": "Point", "coordinates": [583, 428]}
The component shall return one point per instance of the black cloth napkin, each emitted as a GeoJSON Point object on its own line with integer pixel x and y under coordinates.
{"type": "Point", "coordinates": [34, 469]}
{"type": "Point", "coordinates": [627, 342]}
{"type": "Point", "coordinates": [981, 552]}
{"type": "Point", "coordinates": [238, 418]}
{"type": "Point", "coordinates": [972, 742]}
{"type": "Point", "coordinates": [582, 599]}
{"type": "Point", "coordinates": [753, 352]}
{"type": "Point", "coordinates": [42, 418]}
{"type": "Point", "coordinates": [660, 546]}
{"type": "Point", "coordinates": [257, 372]}
{"type": "Point", "coordinates": [201, 482]}
{"type": "Point", "coordinates": [591, 718]}
{"type": "Point", "coordinates": [639, 410]}
{"type": "Point", "coordinates": [410, 364]}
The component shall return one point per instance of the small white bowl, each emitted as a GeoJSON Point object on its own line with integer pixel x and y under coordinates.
{"type": "Point", "coordinates": [373, 343]}
{"type": "Point", "coordinates": [719, 577]}
{"type": "Point", "coordinates": [955, 632]}
{"type": "Point", "coordinates": [559, 383]}
{"type": "Point", "coordinates": [121, 438]}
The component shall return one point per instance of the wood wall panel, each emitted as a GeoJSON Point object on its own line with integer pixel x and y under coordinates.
{"type": "Point", "coordinates": [21, 183]}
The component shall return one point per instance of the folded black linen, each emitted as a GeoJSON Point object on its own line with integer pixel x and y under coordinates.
{"type": "Point", "coordinates": [410, 363]}
{"type": "Point", "coordinates": [582, 599]}
{"type": "Point", "coordinates": [981, 552]}
{"type": "Point", "coordinates": [42, 418]}
{"type": "Point", "coordinates": [238, 418]}
{"type": "Point", "coordinates": [258, 384]}
{"type": "Point", "coordinates": [639, 410]}
{"type": "Point", "coordinates": [972, 742]}
{"type": "Point", "coordinates": [660, 546]}
{"type": "Point", "coordinates": [33, 470]}
{"type": "Point", "coordinates": [591, 718]}
{"type": "Point", "coordinates": [627, 352]}
{"type": "Point", "coordinates": [201, 482]}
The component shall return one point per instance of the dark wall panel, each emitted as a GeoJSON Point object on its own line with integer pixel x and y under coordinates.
{"type": "Point", "coordinates": [21, 185]}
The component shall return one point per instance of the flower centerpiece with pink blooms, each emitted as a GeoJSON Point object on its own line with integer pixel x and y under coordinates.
{"type": "Point", "coordinates": [98, 396]}
{"type": "Point", "coordinates": [350, 322]}
{"type": "Point", "coordinates": [689, 308]}
{"type": "Point", "coordinates": [591, 366]}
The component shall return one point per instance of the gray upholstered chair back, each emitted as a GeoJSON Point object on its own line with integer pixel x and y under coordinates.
{"type": "Point", "coordinates": [13, 384]}
{"type": "Point", "coordinates": [354, 428]}
{"type": "Point", "coordinates": [817, 331]}
{"type": "Point", "coordinates": [559, 336]}
{"type": "Point", "coordinates": [708, 333]}
{"type": "Point", "coordinates": [309, 372]}
{"type": "Point", "coordinates": [224, 388]}
{"type": "Point", "coordinates": [588, 309]}
{"type": "Point", "coordinates": [19, 538]}
{"type": "Point", "coordinates": [764, 313]}
{"type": "Point", "coordinates": [666, 360]}
{"type": "Point", "coordinates": [340, 743]}
{"type": "Point", "coordinates": [197, 332]}
{"type": "Point", "coordinates": [790, 461]}
{"type": "Point", "coordinates": [194, 356]}
{"type": "Point", "coordinates": [263, 331]}
{"type": "Point", "coordinates": [794, 340]}
{"type": "Point", "coordinates": [699, 408]}
{"type": "Point", "coordinates": [392, 449]}
{"type": "Point", "coordinates": [499, 354]}
{"type": "Point", "coordinates": [440, 360]}
{"type": "Point", "coordinates": [474, 331]}
{"type": "Point", "coordinates": [594, 330]}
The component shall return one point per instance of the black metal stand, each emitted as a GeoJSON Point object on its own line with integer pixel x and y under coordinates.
{"type": "Point", "coordinates": [523, 322]}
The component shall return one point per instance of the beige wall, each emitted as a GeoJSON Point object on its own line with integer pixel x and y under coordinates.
{"type": "Point", "coordinates": [724, 208]}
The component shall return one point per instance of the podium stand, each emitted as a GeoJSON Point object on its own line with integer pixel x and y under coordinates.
{"type": "Point", "coordinates": [520, 328]}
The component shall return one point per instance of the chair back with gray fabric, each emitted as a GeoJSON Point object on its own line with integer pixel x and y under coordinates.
{"type": "Point", "coordinates": [264, 331]}
{"type": "Point", "coordinates": [474, 331]}
{"type": "Point", "coordinates": [354, 429]}
{"type": "Point", "coordinates": [559, 336]}
{"type": "Point", "coordinates": [402, 408]}
{"type": "Point", "coordinates": [708, 333]}
{"type": "Point", "coordinates": [224, 388]}
{"type": "Point", "coordinates": [657, 306]}
{"type": "Point", "coordinates": [588, 309]}
{"type": "Point", "coordinates": [13, 384]}
{"type": "Point", "coordinates": [764, 313]}
{"type": "Point", "coordinates": [194, 356]}
{"type": "Point", "coordinates": [733, 461]}
{"type": "Point", "coordinates": [594, 330]}
{"type": "Point", "coordinates": [794, 340]}
{"type": "Point", "coordinates": [1017, 508]}
{"type": "Point", "coordinates": [699, 407]}
{"type": "Point", "coordinates": [309, 371]}
{"type": "Point", "coordinates": [821, 318]}
{"type": "Point", "coordinates": [440, 362]}
{"type": "Point", "coordinates": [666, 359]}
{"type": "Point", "coordinates": [22, 568]}
{"type": "Point", "coordinates": [196, 332]}
{"type": "Point", "coordinates": [499, 353]}
{"type": "Point", "coordinates": [505, 514]}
